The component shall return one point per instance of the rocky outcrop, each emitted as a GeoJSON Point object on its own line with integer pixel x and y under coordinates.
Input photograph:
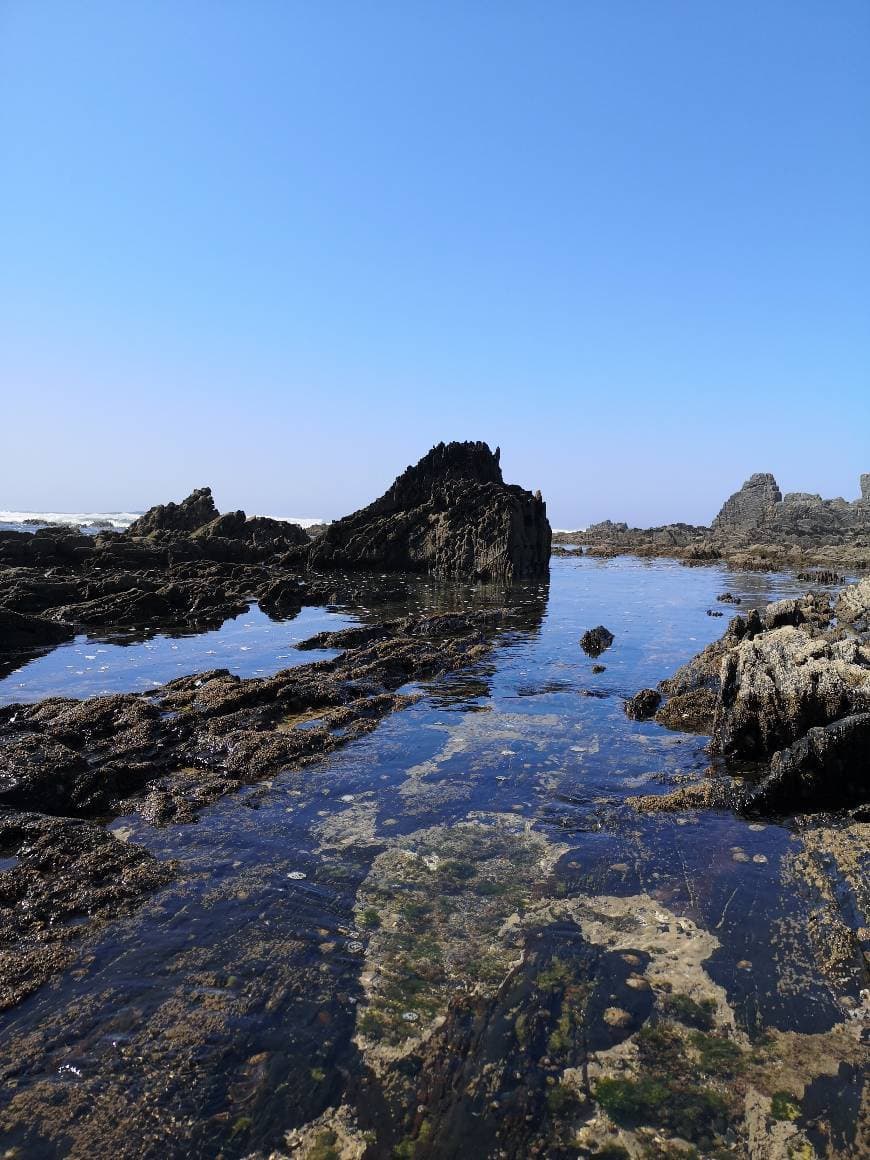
{"type": "Point", "coordinates": [750, 507]}
{"type": "Point", "coordinates": [853, 606]}
{"type": "Point", "coordinates": [782, 683]}
{"type": "Point", "coordinates": [187, 516]}
{"type": "Point", "coordinates": [757, 527]}
{"type": "Point", "coordinates": [452, 515]}
{"type": "Point", "coordinates": [828, 768]}
{"type": "Point", "coordinates": [196, 524]}
{"type": "Point", "coordinates": [788, 689]}
{"type": "Point", "coordinates": [643, 705]}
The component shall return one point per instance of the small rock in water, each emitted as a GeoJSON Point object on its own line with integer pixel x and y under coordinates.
{"type": "Point", "coordinates": [297, 875]}
{"type": "Point", "coordinates": [354, 947]}
{"type": "Point", "coordinates": [738, 855]}
{"type": "Point", "coordinates": [759, 858]}
{"type": "Point", "coordinates": [599, 668]}
{"type": "Point", "coordinates": [595, 640]}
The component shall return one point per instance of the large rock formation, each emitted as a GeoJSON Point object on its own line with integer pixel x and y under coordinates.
{"type": "Point", "coordinates": [451, 515]}
{"type": "Point", "coordinates": [751, 506]}
{"type": "Point", "coordinates": [758, 512]}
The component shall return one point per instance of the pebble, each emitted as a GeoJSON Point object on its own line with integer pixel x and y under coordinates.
{"type": "Point", "coordinates": [744, 965]}
{"type": "Point", "coordinates": [354, 947]}
{"type": "Point", "coordinates": [297, 875]}
{"type": "Point", "coordinates": [617, 1017]}
{"type": "Point", "coordinates": [739, 855]}
{"type": "Point", "coordinates": [410, 1016]}
{"type": "Point", "coordinates": [759, 858]}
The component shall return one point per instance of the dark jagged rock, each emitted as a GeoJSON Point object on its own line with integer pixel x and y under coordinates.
{"type": "Point", "coordinates": [728, 598]}
{"type": "Point", "coordinates": [451, 515]}
{"type": "Point", "coordinates": [187, 516]}
{"type": "Point", "coordinates": [20, 631]}
{"type": "Point", "coordinates": [827, 768]}
{"type": "Point", "coordinates": [757, 527]}
{"type": "Point", "coordinates": [595, 640]}
{"type": "Point", "coordinates": [643, 705]}
{"type": "Point", "coordinates": [691, 712]}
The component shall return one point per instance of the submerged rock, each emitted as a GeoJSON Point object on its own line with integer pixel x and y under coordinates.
{"type": "Point", "coordinates": [65, 878]}
{"type": "Point", "coordinates": [451, 515]}
{"type": "Point", "coordinates": [595, 640]}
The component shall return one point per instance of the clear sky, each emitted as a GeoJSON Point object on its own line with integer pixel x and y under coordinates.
{"type": "Point", "coordinates": [282, 248]}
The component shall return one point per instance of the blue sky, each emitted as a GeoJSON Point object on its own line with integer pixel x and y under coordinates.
{"type": "Point", "coordinates": [283, 248]}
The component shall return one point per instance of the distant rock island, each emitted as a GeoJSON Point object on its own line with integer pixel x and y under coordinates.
{"type": "Point", "coordinates": [757, 525]}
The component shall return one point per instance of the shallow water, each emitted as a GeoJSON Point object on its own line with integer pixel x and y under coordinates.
{"type": "Point", "coordinates": [249, 645]}
{"type": "Point", "coordinates": [223, 1013]}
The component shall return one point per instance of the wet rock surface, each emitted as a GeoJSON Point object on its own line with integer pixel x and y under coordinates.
{"type": "Point", "coordinates": [643, 705]}
{"type": "Point", "coordinates": [58, 878]}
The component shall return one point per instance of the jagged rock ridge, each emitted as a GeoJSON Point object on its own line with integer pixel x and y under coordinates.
{"type": "Point", "coordinates": [751, 506]}
{"type": "Point", "coordinates": [451, 515]}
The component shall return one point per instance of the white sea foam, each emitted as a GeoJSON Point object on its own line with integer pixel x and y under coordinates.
{"type": "Point", "coordinates": [303, 521]}
{"type": "Point", "coordinates": [27, 521]}
{"type": "Point", "coordinates": [118, 520]}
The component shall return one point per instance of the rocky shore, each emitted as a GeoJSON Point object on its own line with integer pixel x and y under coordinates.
{"type": "Point", "coordinates": [756, 528]}
{"type": "Point", "coordinates": [186, 565]}
{"type": "Point", "coordinates": [66, 763]}
{"type": "Point", "coordinates": [785, 699]}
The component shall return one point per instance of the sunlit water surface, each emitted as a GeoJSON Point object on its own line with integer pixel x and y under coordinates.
{"type": "Point", "coordinates": [530, 732]}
